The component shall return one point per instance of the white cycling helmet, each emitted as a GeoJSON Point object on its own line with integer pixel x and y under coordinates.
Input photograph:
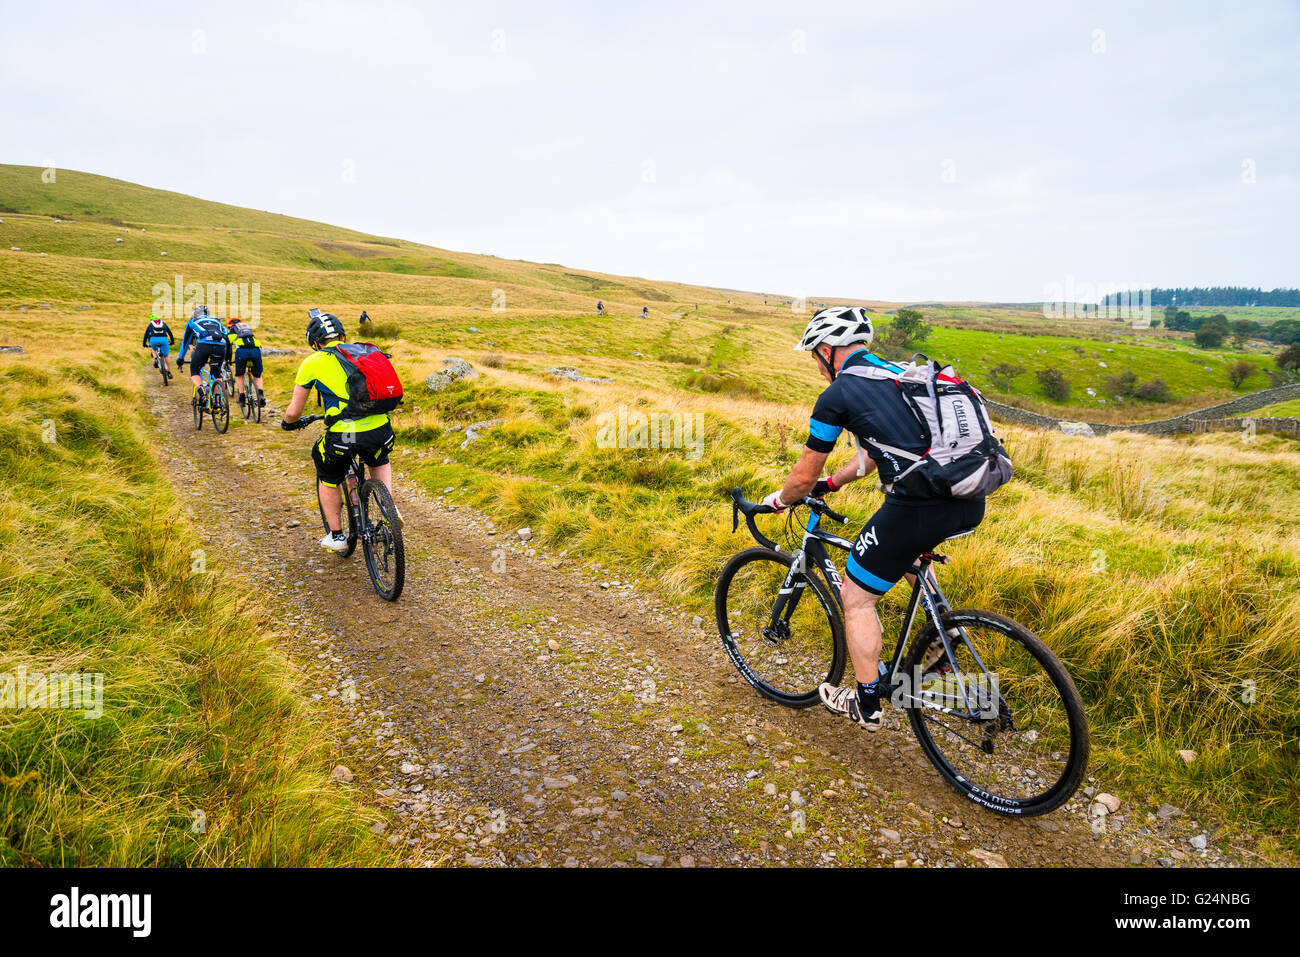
{"type": "Point", "coordinates": [837, 326]}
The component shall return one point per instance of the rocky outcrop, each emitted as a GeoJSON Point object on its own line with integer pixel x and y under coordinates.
{"type": "Point", "coordinates": [453, 369]}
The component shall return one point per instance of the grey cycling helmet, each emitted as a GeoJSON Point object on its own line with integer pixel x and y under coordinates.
{"type": "Point", "coordinates": [837, 326]}
{"type": "Point", "coordinates": [323, 326]}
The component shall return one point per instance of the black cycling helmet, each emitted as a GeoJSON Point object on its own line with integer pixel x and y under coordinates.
{"type": "Point", "coordinates": [322, 326]}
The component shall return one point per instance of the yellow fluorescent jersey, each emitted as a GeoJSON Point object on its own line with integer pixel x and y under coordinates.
{"type": "Point", "coordinates": [324, 373]}
{"type": "Point", "coordinates": [237, 342]}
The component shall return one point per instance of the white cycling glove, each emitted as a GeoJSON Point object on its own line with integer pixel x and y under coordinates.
{"type": "Point", "coordinates": [774, 501]}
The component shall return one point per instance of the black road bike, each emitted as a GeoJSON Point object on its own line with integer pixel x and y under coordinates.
{"type": "Point", "coordinates": [368, 515]}
{"type": "Point", "coordinates": [211, 399]}
{"type": "Point", "coordinates": [992, 708]}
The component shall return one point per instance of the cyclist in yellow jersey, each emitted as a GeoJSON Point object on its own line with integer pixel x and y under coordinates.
{"type": "Point", "coordinates": [371, 435]}
{"type": "Point", "coordinates": [248, 356]}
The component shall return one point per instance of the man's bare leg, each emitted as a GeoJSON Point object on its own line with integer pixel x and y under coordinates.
{"type": "Point", "coordinates": [862, 631]}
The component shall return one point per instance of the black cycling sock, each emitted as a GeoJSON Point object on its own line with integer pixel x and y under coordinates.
{"type": "Point", "coordinates": [869, 697]}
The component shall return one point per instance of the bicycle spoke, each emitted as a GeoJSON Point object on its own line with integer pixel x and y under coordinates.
{"type": "Point", "coordinates": [784, 644]}
{"type": "Point", "coordinates": [1007, 731]}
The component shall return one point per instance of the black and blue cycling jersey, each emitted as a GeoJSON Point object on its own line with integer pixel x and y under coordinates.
{"type": "Point", "coordinates": [871, 409]}
{"type": "Point", "coordinates": [903, 527]}
{"type": "Point", "coordinates": [202, 330]}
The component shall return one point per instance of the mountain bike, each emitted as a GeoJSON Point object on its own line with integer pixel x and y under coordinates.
{"type": "Point", "coordinates": [992, 708]}
{"type": "Point", "coordinates": [248, 403]}
{"type": "Point", "coordinates": [162, 365]}
{"type": "Point", "coordinates": [211, 398]}
{"type": "Point", "coordinates": [368, 515]}
{"type": "Point", "coordinates": [228, 378]}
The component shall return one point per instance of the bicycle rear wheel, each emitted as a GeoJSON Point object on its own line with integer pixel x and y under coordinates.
{"type": "Point", "coordinates": [162, 368]}
{"type": "Point", "coordinates": [785, 645]}
{"type": "Point", "coordinates": [385, 552]}
{"type": "Point", "coordinates": [250, 392]}
{"type": "Point", "coordinates": [200, 410]}
{"type": "Point", "coordinates": [220, 408]}
{"type": "Point", "coordinates": [345, 519]}
{"type": "Point", "coordinates": [1015, 737]}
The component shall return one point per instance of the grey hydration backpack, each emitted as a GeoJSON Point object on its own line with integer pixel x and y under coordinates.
{"type": "Point", "coordinates": [965, 458]}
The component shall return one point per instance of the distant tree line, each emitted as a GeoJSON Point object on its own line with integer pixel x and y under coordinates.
{"type": "Point", "coordinates": [1212, 330]}
{"type": "Point", "coordinates": [1218, 296]}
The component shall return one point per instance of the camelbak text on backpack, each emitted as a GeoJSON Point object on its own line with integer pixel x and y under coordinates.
{"type": "Point", "coordinates": [965, 458]}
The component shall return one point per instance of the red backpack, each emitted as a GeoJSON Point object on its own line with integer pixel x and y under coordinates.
{"type": "Point", "coordinates": [373, 385]}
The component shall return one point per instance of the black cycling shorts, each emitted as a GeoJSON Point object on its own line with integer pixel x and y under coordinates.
{"type": "Point", "coordinates": [334, 451]}
{"type": "Point", "coordinates": [205, 352]}
{"type": "Point", "coordinates": [898, 534]}
{"type": "Point", "coordinates": [245, 357]}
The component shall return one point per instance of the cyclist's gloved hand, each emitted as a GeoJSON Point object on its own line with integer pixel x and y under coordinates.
{"type": "Point", "coordinates": [292, 426]}
{"type": "Point", "coordinates": [824, 487]}
{"type": "Point", "coordinates": [774, 502]}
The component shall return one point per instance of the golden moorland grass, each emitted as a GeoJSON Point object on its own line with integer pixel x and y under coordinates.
{"type": "Point", "coordinates": [1163, 571]}
{"type": "Point", "coordinates": [206, 751]}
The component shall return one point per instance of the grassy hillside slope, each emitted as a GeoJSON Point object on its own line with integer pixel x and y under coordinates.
{"type": "Point", "coordinates": [205, 752]}
{"type": "Point", "coordinates": [1163, 571]}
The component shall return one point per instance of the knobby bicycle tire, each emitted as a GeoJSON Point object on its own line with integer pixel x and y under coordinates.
{"type": "Point", "coordinates": [386, 529]}
{"type": "Point", "coordinates": [220, 407]}
{"type": "Point", "coordinates": [250, 393]}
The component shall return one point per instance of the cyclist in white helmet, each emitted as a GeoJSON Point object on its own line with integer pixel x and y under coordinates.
{"type": "Point", "coordinates": [904, 527]}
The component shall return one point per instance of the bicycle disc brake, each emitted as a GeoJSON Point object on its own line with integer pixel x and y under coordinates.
{"type": "Point", "coordinates": [777, 633]}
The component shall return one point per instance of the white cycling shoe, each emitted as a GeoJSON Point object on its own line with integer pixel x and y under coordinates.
{"type": "Point", "coordinates": [845, 701]}
{"type": "Point", "coordinates": [334, 542]}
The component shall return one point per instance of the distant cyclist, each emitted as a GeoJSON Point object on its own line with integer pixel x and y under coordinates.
{"type": "Point", "coordinates": [645, 312]}
{"type": "Point", "coordinates": [371, 436]}
{"type": "Point", "coordinates": [248, 352]}
{"type": "Point", "coordinates": [211, 346]}
{"type": "Point", "coordinates": [158, 339]}
{"type": "Point", "coordinates": [600, 307]}
{"type": "Point", "coordinates": [364, 318]}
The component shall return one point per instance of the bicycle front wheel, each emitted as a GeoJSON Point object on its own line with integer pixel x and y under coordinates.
{"type": "Point", "coordinates": [782, 630]}
{"type": "Point", "coordinates": [999, 716]}
{"type": "Point", "coordinates": [220, 408]}
{"type": "Point", "coordinates": [382, 543]}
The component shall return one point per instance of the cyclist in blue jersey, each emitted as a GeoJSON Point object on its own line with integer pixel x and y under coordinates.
{"type": "Point", "coordinates": [211, 346]}
{"type": "Point", "coordinates": [875, 413]}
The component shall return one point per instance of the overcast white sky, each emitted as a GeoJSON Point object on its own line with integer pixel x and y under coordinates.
{"type": "Point", "coordinates": [905, 151]}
